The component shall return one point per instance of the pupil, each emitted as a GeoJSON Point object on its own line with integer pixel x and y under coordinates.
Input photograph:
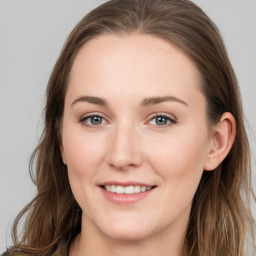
{"type": "Point", "coordinates": [161, 120]}
{"type": "Point", "coordinates": [96, 120]}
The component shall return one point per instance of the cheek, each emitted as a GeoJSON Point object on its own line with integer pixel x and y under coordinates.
{"type": "Point", "coordinates": [83, 156]}
{"type": "Point", "coordinates": [180, 159]}
{"type": "Point", "coordinates": [82, 153]}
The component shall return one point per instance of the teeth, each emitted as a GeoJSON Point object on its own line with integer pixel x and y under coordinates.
{"type": "Point", "coordinates": [113, 188]}
{"type": "Point", "coordinates": [119, 189]}
{"type": "Point", "coordinates": [126, 190]}
{"type": "Point", "coordinates": [136, 189]}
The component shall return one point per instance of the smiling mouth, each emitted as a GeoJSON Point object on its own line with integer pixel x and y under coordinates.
{"type": "Point", "coordinates": [128, 190]}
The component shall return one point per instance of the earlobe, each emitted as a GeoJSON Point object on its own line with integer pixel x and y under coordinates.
{"type": "Point", "coordinates": [223, 136]}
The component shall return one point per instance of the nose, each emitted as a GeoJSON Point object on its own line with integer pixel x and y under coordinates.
{"type": "Point", "coordinates": [124, 149]}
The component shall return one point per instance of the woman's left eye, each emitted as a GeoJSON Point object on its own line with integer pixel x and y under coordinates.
{"type": "Point", "coordinates": [161, 120]}
{"type": "Point", "coordinates": [93, 120]}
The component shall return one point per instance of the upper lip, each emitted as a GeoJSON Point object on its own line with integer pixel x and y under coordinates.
{"type": "Point", "coordinates": [127, 183]}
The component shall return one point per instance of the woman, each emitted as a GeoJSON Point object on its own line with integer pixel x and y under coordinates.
{"type": "Point", "coordinates": [144, 149]}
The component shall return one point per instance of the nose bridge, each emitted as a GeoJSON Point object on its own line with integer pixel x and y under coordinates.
{"type": "Point", "coordinates": [124, 146]}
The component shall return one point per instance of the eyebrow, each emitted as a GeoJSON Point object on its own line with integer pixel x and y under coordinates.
{"type": "Point", "coordinates": [157, 100]}
{"type": "Point", "coordinates": [91, 99]}
{"type": "Point", "coordinates": [145, 103]}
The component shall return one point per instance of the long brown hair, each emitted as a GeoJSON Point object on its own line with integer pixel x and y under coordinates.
{"type": "Point", "coordinates": [220, 213]}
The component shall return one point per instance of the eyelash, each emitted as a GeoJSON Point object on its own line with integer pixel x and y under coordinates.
{"type": "Point", "coordinates": [83, 120]}
{"type": "Point", "coordinates": [171, 121]}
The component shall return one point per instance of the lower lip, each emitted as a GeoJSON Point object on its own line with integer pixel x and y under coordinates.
{"type": "Point", "coordinates": [125, 198]}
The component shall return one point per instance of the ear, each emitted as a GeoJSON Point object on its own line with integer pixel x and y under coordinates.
{"type": "Point", "coordinates": [222, 138]}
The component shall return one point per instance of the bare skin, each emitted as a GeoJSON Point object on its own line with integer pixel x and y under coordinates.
{"type": "Point", "coordinates": [134, 113]}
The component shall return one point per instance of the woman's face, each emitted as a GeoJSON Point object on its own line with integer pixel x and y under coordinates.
{"type": "Point", "coordinates": [134, 120]}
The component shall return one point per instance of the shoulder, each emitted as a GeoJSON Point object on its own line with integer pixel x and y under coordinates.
{"type": "Point", "coordinates": [58, 252]}
{"type": "Point", "coordinates": [61, 250]}
{"type": "Point", "coordinates": [8, 253]}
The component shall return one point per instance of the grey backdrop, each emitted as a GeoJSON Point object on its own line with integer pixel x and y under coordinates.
{"type": "Point", "coordinates": [32, 33]}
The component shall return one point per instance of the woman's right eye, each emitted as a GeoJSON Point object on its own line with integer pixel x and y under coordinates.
{"type": "Point", "coordinates": [93, 120]}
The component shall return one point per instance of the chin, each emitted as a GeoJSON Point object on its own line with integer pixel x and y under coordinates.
{"type": "Point", "coordinates": [131, 234]}
{"type": "Point", "coordinates": [128, 230]}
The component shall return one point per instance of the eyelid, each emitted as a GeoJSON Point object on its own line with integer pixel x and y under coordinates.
{"type": "Point", "coordinates": [172, 119]}
{"type": "Point", "coordinates": [91, 114]}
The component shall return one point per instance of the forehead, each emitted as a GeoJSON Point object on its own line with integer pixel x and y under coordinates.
{"type": "Point", "coordinates": [133, 65]}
